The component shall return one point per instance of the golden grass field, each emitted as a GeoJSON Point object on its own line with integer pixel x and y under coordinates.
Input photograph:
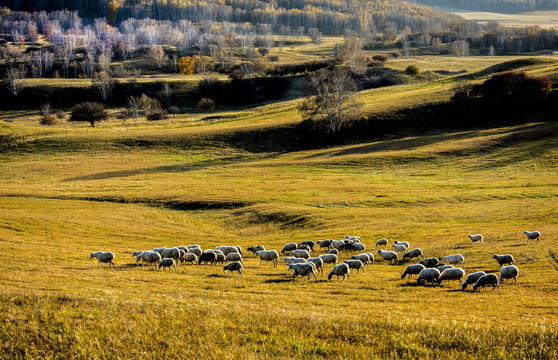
{"type": "Point", "coordinates": [541, 18]}
{"type": "Point", "coordinates": [69, 190]}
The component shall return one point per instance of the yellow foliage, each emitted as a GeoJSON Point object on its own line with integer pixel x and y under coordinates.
{"type": "Point", "coordinates": [186, 65]}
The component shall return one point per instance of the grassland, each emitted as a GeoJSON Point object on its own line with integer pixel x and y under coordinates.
{"type": "Point", "coordinates": [67, 191]}
{"type": "Point", "coordinates": [543, 19]}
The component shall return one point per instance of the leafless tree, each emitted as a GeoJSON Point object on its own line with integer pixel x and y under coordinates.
{"type": "Point", "coordinates": [350, 54]}
{"type": "Point", "coordinates": [157, 55]}
{"type": "Point", "coordinates": [459, 48]}
{"type": "Point", "coordinates": [13, 79]}
{"type": "Point", "coordinates": [315, 36]}
{"type": "Point", "coordinates": [103, 83]}
{"type": "Point", "coordinates": [166, 94]}
{"type": "Point", "coordinates": [135, 106]}
{"type": "Point", "coordinates": [331, 98]}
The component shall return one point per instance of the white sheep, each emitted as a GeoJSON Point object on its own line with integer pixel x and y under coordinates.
{"type": "Point", "coordinates": [399, 248]}
{"type": "Point", "coordinates": [103, 257]}
{"type": "Point", "coordinates": [308, 243]}
{"type": "Point", "coordinates": [289, 247]}
{"type": "Point", "coordinates": [182, 253]}
{"type": "Point", "coordinates": [304, 247]}
{"type": "Point", "coordinates": [359, 247]}
{"type": "Point", "coordinates": [183, 248]}
{"type": "Point", "coordinates": [388, 255]}
{"type": "Point", "coordinates": [253, 249]}
{"type": "Point", "coordinates": [429, 262]}
{"type": "Point", "coordinates": [319, 264]}
{"type": "Point", "coordinates": [365, 258]}
{"type": "Point", "coordinates": [415, 253]}
{"type": "Point", "coordinates": [300, 254]}
{"type": "Point", "coordinates": [441, 268]}
{"type": "Point", "coordinates": [488, 279]}
{"type": "Point", "coordinates": [159, 250]}
{"type": "Point", "coordinates": [370, 257]}
{"type": "Point", "coordinates": [329, 258]}
{"type": "Point", "coordinates": [171, 253]}
{"type": "Point", "coordinates": [533, 235]}
{"type": "Point", "coordinates": [333, 251]}
{"type": "Point", "coordinates": [353, 238]}
{"type": "Point", "coordinates": [504, 259]}
{"type": "Point", "coordinates": [406, 243]}
{"type": "Point", "coordinates": [411, 270]}
{"type": "Point", "coordinates": [355, 264]}
{"type": "Point", "coordinates": [428, 276]}
{"type": "Point", "coordinates": [234, 266]}
{"type": "Point", "coordinates": [219, 256]}
{"type": "Point", "coordinates": [194, 246]}
{"type": "Point", "coordinates": [196, 250]}
{"type": "Point", "coordinates": [234, 257]}
{"type": "Point", "coordinates": [190, 258]}
{"type": "Point", "coordinates": [472, 279]}
{"type": "Point", "coordinates": [304, 269]}
{"type": "Point", "coordinates": [167, 263]}
{"type": "Point", "coordinates": [149, 257]}
{"type": "Point", "coordinates": [451, 274]}
{"type": "Point", "coordinates": [455, 259]}
{"type": "Point", "coordinates": [509, 272]}
{"type": "Point", "coordinates": [226, 250]}
{"type": "Point", "coordinates": [382, 241]}
{"type": "Point", "coordinates": [478, 238]}
{"type": "Point", "coordinates": [337, 243]}
{"type": "Point", "coordinates": [324, 243]}
{"type": "Point", "coordinates": [239, 249]}
{"type": "Point", "coordinates": [293, 260]}
{"type": "Point", "coordinates": [268, 255]}
{"type": "Point", "coordinates": [135, 254]}
{"type": "Point", "coordinates": [340, 270]}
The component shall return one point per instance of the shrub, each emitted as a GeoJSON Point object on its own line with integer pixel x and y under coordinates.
{"type": "Point", "coordinates": [380, 57]}
{"type": "Point", "coordinates": [206, 105]}
{"type": "Point", "coordinates": [273, 58]}
{"type": "Point", "coordinates": [515, 87]}
{"type": "Point", "coordinates": [49, 119]}
{"type": "Point", "coordinates": [395, 54]}
{"type": "Point", "coordinates": [375, 63]}
{"type": "Point", "coordinates": [157, 114]}
{"type": "Point", "coordinates": [91, 112]}
{"type": "Point", "coordinates": [412, 70]}
{"type": "Point", "coordinates": [263, 51]}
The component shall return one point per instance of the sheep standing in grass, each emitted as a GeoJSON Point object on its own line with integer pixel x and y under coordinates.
{"type": "Point", "coordinates": [428, 276]}
{"type": "Point", "coordinates": [370, 257]}
{"type": "Point", "coordinates": [355, 264]}
{"type": "Point", "coordinates": [234, 266]}
{"type": "Point", "coordinates": [308, 243]}
{"type": "Point", "coordinates": [293, 260]}
{"type": "Point", "coordinates": [149, 258]}
{"type": "Point", "coordinates": [183, 248]}
{"type": "Point", "coordinates": [509, 272]}
{"type": "Point", "coordinates": [504, 259]}
{"type": "Point", "coordinates": [103, 257]}
{"type": "Point", "coordinates": [195, 250]}
{"type": "Point", "coordinates": [451, 274]}
{"type": "Point", "coordinates": [441, 268]}
{"type": "Point", "coordinates": [300, 254]}
{"type": "Point", "coordinates": [304, 247]}
{"type": "Point", "coordinates": [399, 248]}
{"type": "Point", "coordinates": [207, 257]}
{"type": "Point", "coordinates": [406, 243]}
{"type": "Point", "coordinates": [339, 270]}
{"type": "Point", "coordinates": [488, 279]}
{"type": "Point", "coordinates": [388, 255]}
{"type": "Point", "coordinates": [429, 262]}
{"type": "Point", "coordinates": [226, 250]}
{"type": "Point", "coordinates": [289, 247]}
{"type": "Point", "coordinates": [159, 250]}
{"type": "Point", "coordinates": [365, 258]}
{"type": "Point", "coordinates": [234, 257]}
{"type": "Point", "coordinates": [172, 253]}
{"type": "Point", "coordinates": [478, 238]}
{"type": "Point", "coordinates": [329, 258]}
{"type": "Point", "coordinates": [333, 251]}
{"type": "Point", "coordinates": [382, 241]}
{"type": "Point", "coordinates": [305, 269]}
{"type": "Point", "coordinates": [219, 256]}
{"type": "Point", "coordinates": [533, 235]}
{"type": "Point", "coordinates": [136, 255]}
{"type": "Point", "coordinates": [254, 249]}
{"type": "Point", "coordinates": [319, 264]}
{"type": "Point", "coordinates": [454, 259]}
{"type": "Point", "coordinates": [268, 255]}
{"type": "Point", "coordinates": [325, 243]}
{"type": "Point", "coordinates": [190, 258]}
{"type": "Point", "coordinates": [359, 247]}
{"type": "Point", "coordinates": [167, 263]}
{"type": "Point", "coordinates": [411, 270]}
{"type": "Point", "coordinates": [415, 253]}
{"type": "Point", "coordinates": [472, 279]}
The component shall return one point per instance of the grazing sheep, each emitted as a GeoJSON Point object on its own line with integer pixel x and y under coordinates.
{"type": "Point", "coordinates": [181, 256]}
{"type": "Point", "coordinates": [300, 254]}
{"type": "Point", "coordinates": [220, 257]}
{"type": "Point", "coordinates": [488, 279]}
{"type": "Point", "coordinates": [329, 258]}
{"type": "Point", "coordinates": [226, 250]}
{"type": "Point", "coordinates": [293, 260]}
{"type": "Point", "coordinates": [472, 279]}
{"type": "Point", "coordinates": [325, 243]}
{"type": "Point", "coordinates": [149, 257]}
{"type": "Point", "coordinates": [253, 249]}
{"type": "Point", "coordinates": [478, 238]}
{"type": "Point", "coordinates": [441, 267]}
{"type": "Point", "coordinates": [305, 269]}
{"type": "Point", "coordinates": [268, 255]}
{"type": "Point", "coordinates": [382, 241]}
{"type": "Point", "coordinates": [355, 264]}
{"type": "Point", "coordinates": [136, 255]}
{"type": "Point", "coordinates": [171, 253]}
{"type": "Point", "coordinates": [103, 257]}
{"type": "Point", "coordinates": [337, 244]}
{"type": "Point", "coordinates": [411, 270]}
{"type": "Point", "coordinates": [451, 274]}
{"type": "Point", "coordinates": [509, 272]}
{"type": "Point", "coordinates": [388, 255]}
{"type": "Point", "coordinates": [234, 257]}
{"type": "Point", "coordinates": [428, 276]}
{"type": "Point", "coordinates": [183, 248]}
{"type": "Point", "coordinates": [190, 258]}
{"type": "Point", "coordinates": [365, 258]}
{"type": "Point", "coordinates": [340, 270]}
{"type": "Point", "coordinates": [159, 250]}
{"type": "Point", "coordinates": [333, 251]}
{"type": "Point", "coordinates": [359, 247]}
{"type": "Point", "coordinates": [399, 248]}
{"type": "Point", "coordinates": [239, 249]}
{"type": "Point", "coordinates": [308, 243]}
{"type": "Point", "coordinates": [533, 235]}
{"type": "Point", "coordinates": [195, 250]}
{"type": "Point", "coordinates": [353, 238]}
{"type": "Point", "coordinates": [194, 246]}
{"type": "Point", "coordinates": [429, 262]}
{"type": "Point", "coordinates": [371, 257]}
{"type": "Point", "coordinates": [289, 247]}
{"type": "Point", "coordinates": [319, 264]}
{"type": "Point", "coordinates": [415, 253]}
{"type": "Point", "coordinates": [206, 257]}
{"type": "Point", "coordinates": [304, 247]}
{"type": "Point", "coordinates": [455, 259]}
{"type": "Point", "coordinates": [167, 263]}
{"type": "Point", "coordinates": [504, 259]}
{"type": "Point", "coordinates": [406, 243]}
{"type": "Point", "coordinates": [234, 266]}
{"type": "Point", "coordinates": [348, 246]}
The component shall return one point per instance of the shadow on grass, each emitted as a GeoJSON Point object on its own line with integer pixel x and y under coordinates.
{"type": "Point", "coordinates": [278, 281]}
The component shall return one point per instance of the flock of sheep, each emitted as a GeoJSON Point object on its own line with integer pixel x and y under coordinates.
{"type": "Point", "coordinates": [299, 261]}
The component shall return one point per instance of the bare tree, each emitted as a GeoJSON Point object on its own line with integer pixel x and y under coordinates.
{"type": "Point", "coordinates": [315, 36]}
{"type": "Point", "coordinates": [157, 55]}
{"type": "Point", "coordinates": [350, 54]}
{"type": "Point", "coordinates": [103, 83]}
{"type": "Point", "coordinates": [331, 99]}
{"type": "Point", "coordinates": [166, 94]}
{"type": "Point", "coordinates": [13, 79]}
{"type": "Point", "coordinates": [135, 106]}
{"type": "Point", "coordinates": [459, 48]}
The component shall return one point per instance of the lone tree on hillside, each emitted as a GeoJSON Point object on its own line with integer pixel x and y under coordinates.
{"type": "Point", "coordinates": [91, 112]}
{"type": "Point", "coordinates": [331, 99]}
{"type": "Point", "coordinates": [13, 79]}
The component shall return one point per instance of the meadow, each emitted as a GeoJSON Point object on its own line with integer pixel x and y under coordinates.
{"type": "Point", "coordinates": [67, 191]}
{"type": "Point", "coordinates": [542, 18]}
